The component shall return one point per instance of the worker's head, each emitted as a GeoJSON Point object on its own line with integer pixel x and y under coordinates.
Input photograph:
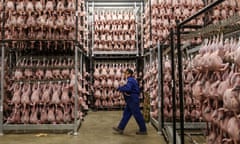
{"type": "Point", "coordinates": [128, 73]}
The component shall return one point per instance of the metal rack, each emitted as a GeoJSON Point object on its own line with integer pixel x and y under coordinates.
{"type": "Point", "coordinates": [180, 69]}
{"type": "Point", "coordinates": [110, 59]}
{"type": "Point", "coordinates": [168, 129]}
{"type": "Point", "coordinates": [78, 58]}
{"type": "Point", "coordinates": [93, 5]}
{"type": "Point", "coordinates": [48, 127]}
{"type": "Point", "coordinates": [136, 6]}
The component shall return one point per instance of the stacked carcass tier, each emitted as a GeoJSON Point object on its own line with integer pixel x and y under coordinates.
{"type": "Point", "coordinates": [216, 86]}
{"type": "Point", "coordinates": [82, 23]}
{"type": "Point", "coordinates": [115, 30]}
{"type": "Point", "coordinates": [164, 14]}
{"type": "Point", "coordinates": [191, 106]}
{"type": "Point", "coordinates": [223, 11]}
{"type": "Point", "coordinates": [151, 86]}
{"type": "Point", "coordinates": [41, 82]}
{"type": "Point", "coordinates": [42, 90]}
{"type": "Point", "coordinates": [108, 76]}
{"type": "Point", "coordinates": [43, 20]}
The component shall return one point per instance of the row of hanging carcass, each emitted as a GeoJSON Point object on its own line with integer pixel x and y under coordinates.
{"type": "Point", "coordinates": [211, 89]}
{"type": "Point", "coordinates": [40, 76]}
{"type": "Point", "coordinates": [115, 30]}
{"type": "Point", "coordinates": [46, 94]}
{"type": "Point", "coordinates": [210, 78]}
{"type": "Point", "coordinates": [108, 76]}
{"type": "Point", "coordinates": [41, 90]}
{"type": "Point", "coordinates": [164, 14]}
{"type": "Point", "coordinates": [42, 20]}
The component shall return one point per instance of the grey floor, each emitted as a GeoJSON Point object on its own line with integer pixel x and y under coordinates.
{"type": "Point", "coordinates": [96, 129]}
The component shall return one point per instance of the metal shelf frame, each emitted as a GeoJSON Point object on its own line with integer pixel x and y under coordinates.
{"type": "Point", "coordinates": [107, 5]}
{"type": "Point", "coordinates": [51, 127]}
{"type": "Point", "coordinates": [78, 57]}
{"type": "Point", "coordinates": [115, 53]}
{"type": "Point", "coordinates": [40, 127]}
{"type": "Point", "coordinates": [180, 25]}
{"type": "Point", "coordinates": [160, 124]}
{"type": "Point", "coordinates": [96, 56]}
{"type": "Point", "coordinates": [168, 129]}
{"type": "Point", "coordinates": [187, 125]}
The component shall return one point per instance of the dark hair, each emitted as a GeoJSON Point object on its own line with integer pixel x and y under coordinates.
{"type": "Point", "coordinates": [129, 71]}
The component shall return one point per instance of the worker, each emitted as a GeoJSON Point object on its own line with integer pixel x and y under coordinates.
{"type": "Point", "coordinates": [131, 93]}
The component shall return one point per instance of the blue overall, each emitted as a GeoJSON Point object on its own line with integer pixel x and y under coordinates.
{"type": "Point", "coordinates": [132, 107]}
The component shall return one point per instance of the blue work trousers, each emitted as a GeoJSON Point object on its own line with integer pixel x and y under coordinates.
{"type": "Point", "coordinates": [132, 108]}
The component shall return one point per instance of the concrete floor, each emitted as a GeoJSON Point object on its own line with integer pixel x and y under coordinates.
{"type": "Point", "coordinates": [96, 129]}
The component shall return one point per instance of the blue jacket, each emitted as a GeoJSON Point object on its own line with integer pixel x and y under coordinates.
{"type": "Point", "coordinates": [132, 89]}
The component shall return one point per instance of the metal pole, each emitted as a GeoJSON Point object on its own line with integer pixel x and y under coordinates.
{"type": "Point", "coordinates": [76, 73]}
{"type": "Point", "coordinates": [76, 20]}
{"type": "Point", "coordinates": [173, 87]}
{"type": "Point", "coordinates": [91, 58]}
{"type": "Point", "coordinates": [2, 91]}
{"type": "Point", "coordinates": [91, 81]}
{"type": "Point", "coordinates": [81, 67]}
{"type": "Point", "coordinates": [93, 19]}
{"type": "Point", "coordinates": [76, 92]}
{"type": "Point", "coordinates": [162, 92]}
{"type": "Point", "coordinates": [2, 71]}
{"type": "Point", "coordinates": [180, 81]}
{"type": "Point", "coordinates": [136, 21]}
{"type": "Point", "coordinates": [145, 63]}
{"type": "Point", "coordinates": [3, 20]}
{"type": "Point", "coordinates": [137, 66]}
{"type": "Point", "coordinates": [87, 29]}
{"type": "Point", "coordinates": [141, 28]}
{"type": "Point", "coordinates": [159, 89]}
{"type": "Point", "coordinates": [150, 14]}
{"type": "Point", "coordinates": [150, 64]}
